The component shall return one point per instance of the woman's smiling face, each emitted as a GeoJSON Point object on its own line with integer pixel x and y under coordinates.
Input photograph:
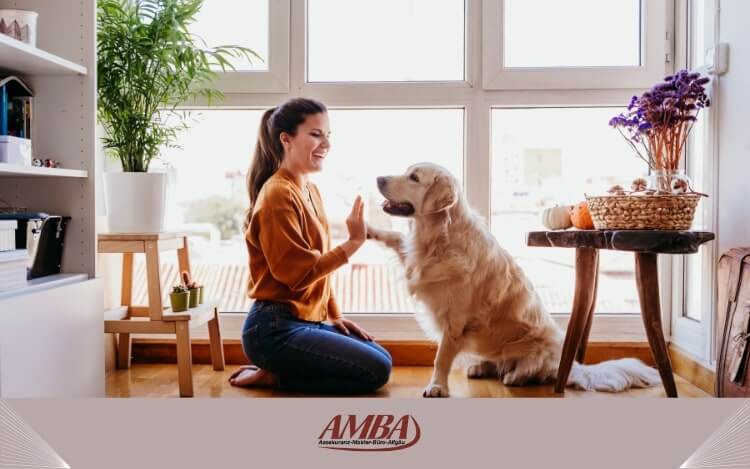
{"type": "Point", "coordinates": [304, 153]}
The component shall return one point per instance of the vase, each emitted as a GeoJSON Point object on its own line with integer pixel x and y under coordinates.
{"type": "Point", "coordinates": [135, 201]}
{"type": "Point", "coordinates": [193, 300]}
{"type": "Point", "coordinates": [662, 180]}
{"type": "Point", "coordinates": [179, 301]}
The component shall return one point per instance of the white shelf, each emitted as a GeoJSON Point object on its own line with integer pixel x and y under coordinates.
{"type": "Point", "coordinates": [45, 283]}
{"type": "Point", "coordinates": [13, 170]}
{"type": "Point", "coordinates": [19, 57]}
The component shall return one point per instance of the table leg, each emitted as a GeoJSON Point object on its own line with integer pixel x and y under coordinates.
{"type": "Point", "coordinates": [647, 279]}
{"type": "Point", "coordinates": [585, 339]}
{"type": "Point", "coordinates": [586, 272]}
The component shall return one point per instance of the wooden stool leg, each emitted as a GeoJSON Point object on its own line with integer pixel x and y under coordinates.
{"type": "Point", "coordinates": [153, 281]}
{"type": "Point", "coordinates": [647, 279]}
{"type": "Point", "coordinates": [586, 263]}
{"type": "Point", "coordinates": [183, 257]}
{"type": "Point", "coordinates": [123, 350]}
{"type": "Point", "coordinates": [214, 337]}
{"type": "Point", "coordinates": [184, 359]}
{"type": "Point", "coordinates": [587, 331]}
{"type": "Point", "coordinates": [126, 298]}
{"type": "Point", "coordinates": [126, 292]}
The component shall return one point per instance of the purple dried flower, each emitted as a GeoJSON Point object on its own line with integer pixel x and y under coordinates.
{"type": "Point", "coordinates": [660, 120]}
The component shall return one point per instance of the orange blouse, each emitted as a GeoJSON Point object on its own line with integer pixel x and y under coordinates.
{"type": "Point", "coordinates": [289, 245]}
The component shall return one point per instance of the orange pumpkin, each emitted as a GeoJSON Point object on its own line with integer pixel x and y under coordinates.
{"type": "Point", "coordinates": [581, 217]}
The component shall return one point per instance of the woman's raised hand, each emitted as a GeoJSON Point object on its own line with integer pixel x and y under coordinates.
{"type": "Point", "coordinates": [355, 222]}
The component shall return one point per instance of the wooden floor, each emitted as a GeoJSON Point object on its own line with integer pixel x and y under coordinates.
{"type": "Point", "coordinates": [160, 380]}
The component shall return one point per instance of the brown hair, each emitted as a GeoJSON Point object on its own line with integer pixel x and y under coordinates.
{"type": "Point", "coordinates": [269, 152]}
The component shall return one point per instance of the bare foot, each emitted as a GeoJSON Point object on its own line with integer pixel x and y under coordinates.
{"type": "Point", "coordinates": [252, 376]}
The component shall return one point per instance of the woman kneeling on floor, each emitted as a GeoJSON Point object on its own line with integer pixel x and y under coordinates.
{"type": "Point", "coordinates": [291, 261]}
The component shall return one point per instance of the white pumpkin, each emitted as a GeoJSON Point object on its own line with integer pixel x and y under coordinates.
{"type": "Point", "coordinates": [557, 218]}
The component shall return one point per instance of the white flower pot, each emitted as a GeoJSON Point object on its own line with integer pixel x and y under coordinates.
{"type": "Point", "coordinates": [135, 201]}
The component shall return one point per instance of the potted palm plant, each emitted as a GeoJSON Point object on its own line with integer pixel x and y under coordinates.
{"type": "Point", "coordinates": [148, 64]}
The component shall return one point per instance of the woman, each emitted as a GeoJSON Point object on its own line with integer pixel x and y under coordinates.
{"type": "Point", "coordinates": [291, 260]}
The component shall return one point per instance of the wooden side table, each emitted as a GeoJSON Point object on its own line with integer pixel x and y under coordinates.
{"type": "Point", "coordinates": [646, 245]}
{"type": "Point", "coordinates": [155, 318]}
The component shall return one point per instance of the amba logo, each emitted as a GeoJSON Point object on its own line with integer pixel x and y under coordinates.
{"type": "Point", "coordinates": [374, 433]}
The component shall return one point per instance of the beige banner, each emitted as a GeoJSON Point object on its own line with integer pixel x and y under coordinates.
{"type": "Point", "coordinates": [263, 433]}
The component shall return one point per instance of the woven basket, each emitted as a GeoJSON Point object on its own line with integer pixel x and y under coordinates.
{"type": "Point", "coordinates": [643, 212]}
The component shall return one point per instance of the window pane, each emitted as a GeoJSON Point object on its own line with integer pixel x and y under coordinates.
{"type": "Point", "coordinates": [385, 40]}
{"type": "Point", "coordinates": [572, 33]}
{"type": "Point", "coordinates": [229, 22]}
{"type": "Point", "coordinates": [207, 197]}
{"type": "Point", "coordinates": [697, 33]}
{"type": "Point", "coordinates": [544, 157]}
{"type": "Point", "coordinates": [694, 263]}
{"type": "Point", "coordinates": [370, 143]}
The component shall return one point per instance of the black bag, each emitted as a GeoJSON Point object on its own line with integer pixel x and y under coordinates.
{"type": "Point", "coordinates": [43, 236]}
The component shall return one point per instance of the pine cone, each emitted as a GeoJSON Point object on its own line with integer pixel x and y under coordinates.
{"type": "Point", "coordinates": [639, 185]}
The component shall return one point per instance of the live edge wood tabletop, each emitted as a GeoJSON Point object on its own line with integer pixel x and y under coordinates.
{"type": "Point", "coordinates": [646, 246]}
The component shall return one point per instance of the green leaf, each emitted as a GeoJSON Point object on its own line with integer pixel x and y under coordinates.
{"type": "Point", "coordinates": [148, 63]}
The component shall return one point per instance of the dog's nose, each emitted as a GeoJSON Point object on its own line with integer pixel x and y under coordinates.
{"type": "Point", "coordinates": [381, 181]}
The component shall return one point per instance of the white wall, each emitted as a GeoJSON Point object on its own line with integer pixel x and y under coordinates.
{"type": "Point", "coordinates": [734, 128]}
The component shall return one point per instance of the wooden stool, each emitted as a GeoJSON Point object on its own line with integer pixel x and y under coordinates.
{"type": "Point", "coordinates": [646, 244]}
{"type": "Point", "coordinates": [155, 318]}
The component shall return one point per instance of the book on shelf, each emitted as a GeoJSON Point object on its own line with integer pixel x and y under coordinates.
{"type": "Point", "coordinates": [16, 104]}
{"type": "Point", "coordinates": [13, 268]}
{"type": "Point", "coordinates": [8, 235]}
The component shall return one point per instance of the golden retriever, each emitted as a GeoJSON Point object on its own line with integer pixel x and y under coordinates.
{"type": "Point", "coordinates": [478, 299]}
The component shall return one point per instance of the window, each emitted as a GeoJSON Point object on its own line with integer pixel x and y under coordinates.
{"type": "Point", "coordinates": [694, 292]}
{"type": "Point", "coordinates": [208, 200]}
{"type": "Point", "coordinates": [696, 165]}
{"type": "Point", "coordinates": [613, 40]}
{"type": "Point", "coordinates": [548, 44]}
{"type": "Point", "coordinates": [434, 87]}
{"type": "Point", "coordinates": [543, 157]}
{"type": "Point", "coordinates": [385, 40]}
{"type": "Point", "coordinates": [261, 25]}
{"type": "Point", "coordinates": [247, 25]}
{"type": "Point", "coordinates": [366, 144]}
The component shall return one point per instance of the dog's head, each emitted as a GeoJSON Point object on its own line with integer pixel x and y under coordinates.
{"type": "Point", "coordinates": [424, 189]}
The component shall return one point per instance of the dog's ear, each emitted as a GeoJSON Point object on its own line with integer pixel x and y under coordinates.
{"type": "Point", "coordinates": [442, 195]}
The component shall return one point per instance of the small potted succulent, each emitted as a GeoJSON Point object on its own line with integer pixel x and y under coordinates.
{"type": "Point", "coordinates": [200, 294]}
{"type": "Point", "coordinates": [179, 297]}
{"type": "Point", "coordinates": [195, 290]}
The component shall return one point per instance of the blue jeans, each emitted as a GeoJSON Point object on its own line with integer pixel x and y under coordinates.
{"type": "Point", "coordinates": [312, 356]}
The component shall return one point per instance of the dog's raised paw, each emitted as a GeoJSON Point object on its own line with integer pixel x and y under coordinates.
{"type": "Point", "coordinates": [435, 390]}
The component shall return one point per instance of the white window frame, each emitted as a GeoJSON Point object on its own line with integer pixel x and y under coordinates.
{"type": "Point", "coordinates": [477, 103]}
{"type": "Point", "coordinates": [276, 78]}
{"type": "Point", "coordinates": [693, 336]}
{"type": "Point", "coordinates": [656, 45]}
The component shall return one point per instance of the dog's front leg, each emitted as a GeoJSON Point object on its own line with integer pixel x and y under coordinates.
{"type": "Point", "coordinates": [447, 351]}
{"type": "Point", "coordinates": [392, 239]}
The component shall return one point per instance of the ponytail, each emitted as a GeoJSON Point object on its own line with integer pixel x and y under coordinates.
{"type": "Point", "coordinates": [269, 153]}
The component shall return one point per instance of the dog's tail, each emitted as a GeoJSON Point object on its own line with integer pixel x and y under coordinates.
{"type": "Point", "coordinates": [613, 375]}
